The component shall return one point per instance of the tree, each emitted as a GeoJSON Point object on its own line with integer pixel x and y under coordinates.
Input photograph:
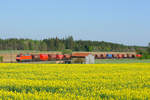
{"type": "Point", "coordinates": [26, 45]}
{"type": "Point", "coordinates": [69, 43]}
{"type": "Point", "coordinates": [148, 49]}
{"type": "Point", "coordinates": [43, 46]}
{"type": "Point", "coordinates": [31, 45]}
{"type": "Point", "coordinates": [56, 43]}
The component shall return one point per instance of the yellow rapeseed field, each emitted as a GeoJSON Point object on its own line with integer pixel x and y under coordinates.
{"type": "Point", "coordinates": [75, 82]}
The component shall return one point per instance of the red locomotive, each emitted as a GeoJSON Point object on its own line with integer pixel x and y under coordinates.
{"type": "Point", "coordinates": [23, 58]}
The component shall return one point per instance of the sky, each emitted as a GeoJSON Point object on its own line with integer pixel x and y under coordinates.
{"type": "Point", "coordinates": [118, 21]}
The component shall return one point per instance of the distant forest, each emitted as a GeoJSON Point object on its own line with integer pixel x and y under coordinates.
{"type": "Point", "coordinates": [57, 44]}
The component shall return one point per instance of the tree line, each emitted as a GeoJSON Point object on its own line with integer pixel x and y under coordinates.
{"type": "Point", "coordinates": [57, 44]}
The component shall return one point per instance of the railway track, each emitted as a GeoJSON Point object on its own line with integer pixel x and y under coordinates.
{"type": "Point", "coordinates": [48, 62]}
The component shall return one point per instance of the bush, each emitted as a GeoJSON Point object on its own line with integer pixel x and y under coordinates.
{"type": "Point", "coordinates": [145, 56]}
{"type": "Point", "coordinates": [67, 51]}
{"type": "Point", "coordinates": [1, 58]}
{"type": "Point", "coordinates": [78, 60]}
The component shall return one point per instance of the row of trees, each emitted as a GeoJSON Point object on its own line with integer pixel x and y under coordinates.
{"type": "Point", "coordinates": [56, 44]}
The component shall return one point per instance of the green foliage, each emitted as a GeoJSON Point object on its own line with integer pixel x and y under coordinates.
{"type": "Point", "coordinates": [43, 46]}
{"type": "Point", "coordinates": [1, 59]}
{"type": "Point", "coordinates": [148, 49]}
{"type": "Point", "coordinates": [145, 56]}
{"type": "Point", "coordinates": [144, 52]}
{"type": "Point", "coordinates": [69, 42]}
{"type": "Point", "coordinates": [67, 51]}
{"type": "Point", "coordinates": [57, 44]}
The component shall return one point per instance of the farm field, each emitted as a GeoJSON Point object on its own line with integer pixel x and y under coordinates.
{"type": "Point", "coordinates": [58, 81]}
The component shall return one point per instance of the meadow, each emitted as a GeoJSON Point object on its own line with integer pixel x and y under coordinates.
{"type": "Point", "coordinates": [75, 81]}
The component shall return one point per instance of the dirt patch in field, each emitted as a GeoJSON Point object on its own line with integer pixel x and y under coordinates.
{"type": "Point", "coordinates": [9, 57]}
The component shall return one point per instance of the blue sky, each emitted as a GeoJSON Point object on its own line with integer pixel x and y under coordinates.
{"type": "Point", "coordinates": [120, 21]}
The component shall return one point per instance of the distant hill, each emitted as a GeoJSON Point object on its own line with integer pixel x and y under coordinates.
{"type": "Point", "coordinates": [56, 44]}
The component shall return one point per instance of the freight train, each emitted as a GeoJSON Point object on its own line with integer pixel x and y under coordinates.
{"type": "Point", "coordinates": [58, 57]}
{"type": "Point", "coordinates": [41, 57]}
